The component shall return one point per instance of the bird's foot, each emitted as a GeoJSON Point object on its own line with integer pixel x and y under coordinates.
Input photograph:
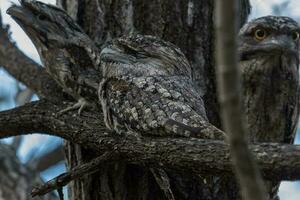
{"type": "Point", "coordinates": [80, 105]}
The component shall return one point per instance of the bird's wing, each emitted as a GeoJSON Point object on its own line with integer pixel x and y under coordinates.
{"type": "Point", "coordinates": [155, 105]}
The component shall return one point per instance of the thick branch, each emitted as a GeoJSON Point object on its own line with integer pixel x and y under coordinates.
{"type": "Point", "coordinates": [278, 162]}
{"type": "Point", "coordinates": [42, 116]}
{"type": "Point", "coordinates": [24, 69]}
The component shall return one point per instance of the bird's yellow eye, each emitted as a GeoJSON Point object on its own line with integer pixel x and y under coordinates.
{"type": "Point", "coordinates": [260, 34]}
{"type": "Point", "coordinates": [296, 35]}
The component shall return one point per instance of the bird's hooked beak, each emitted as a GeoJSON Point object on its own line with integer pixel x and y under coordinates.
{"type": "Point", "coordinates": [280, 44]}
{"type": "Point", "coordinates": [27, 20]}
{"type": "Point", "coordinates": [20, 14]}
{"type": "Point", "coordinates": [273, 45]}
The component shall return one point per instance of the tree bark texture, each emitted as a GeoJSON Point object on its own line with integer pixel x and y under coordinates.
{"type": "Point", "coordinates": [189, 25]}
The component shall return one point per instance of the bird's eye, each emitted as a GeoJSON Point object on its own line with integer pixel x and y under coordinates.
{"type": "Point", "coordinates": [296, 35]}
{"type": "Point", "coordinates": [42, 17]}
{"type": "Point", "coordinates": [260, 34]}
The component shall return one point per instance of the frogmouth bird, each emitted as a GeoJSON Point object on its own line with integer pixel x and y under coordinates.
{"type": "Point", "coordinates": [269, 60]}
{"type": "Point", "coordinates": [68, 54]}
{"type": "Point", "coordinates": [147, 88]}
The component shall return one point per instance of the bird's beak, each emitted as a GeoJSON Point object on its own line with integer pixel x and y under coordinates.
{"type": "Point", "coordinates": [26, 19]}
{"type": "Point", "coordinates": [281, 44]}
{"type": "Point", "coordinates": [21, 15]}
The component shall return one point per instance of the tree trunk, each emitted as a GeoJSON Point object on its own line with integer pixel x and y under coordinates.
{"type": "Point", "coordinates": [189, 25]}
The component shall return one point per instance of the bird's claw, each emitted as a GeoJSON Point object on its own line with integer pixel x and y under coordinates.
{"type": "Point", "coordinates": [80, 105]}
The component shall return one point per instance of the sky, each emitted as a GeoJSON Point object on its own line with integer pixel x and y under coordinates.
{"type": "Point", "coordinates": [37, 144]}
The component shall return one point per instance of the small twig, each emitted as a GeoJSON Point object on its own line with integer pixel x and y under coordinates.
{"type": "Point", "coordinates": [77, 172]}
{"type": "Point", "coordinates": [163, 182]}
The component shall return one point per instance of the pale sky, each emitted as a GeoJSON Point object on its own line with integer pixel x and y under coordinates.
{"type": "Point", "coordinates": [288, 190]}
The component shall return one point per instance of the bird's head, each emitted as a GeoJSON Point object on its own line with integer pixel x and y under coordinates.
{"type": "Point", "coordinates": [149, 54]}
{"type": "Point", "coordinates": [269, 35]}
{"type": "Point", "coordinates": [46, 25]}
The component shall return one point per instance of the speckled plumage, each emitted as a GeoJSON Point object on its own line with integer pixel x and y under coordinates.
{"type": "Point", "coordinates": [147, 89]}
{"type": "Point", "coordinates": [68, 54]}
{"type": "Point", "coordinates": [154, 105]}
{"type": "Point", "coordinates": [270, 80]}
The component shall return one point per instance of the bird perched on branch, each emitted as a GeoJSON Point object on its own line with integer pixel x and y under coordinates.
{"type": "Point", "coordinates": [269, 60]}
{"type": "Point", "coordinates": [147, 88]}
{"type": "Point", "coordinates": [68, 54]}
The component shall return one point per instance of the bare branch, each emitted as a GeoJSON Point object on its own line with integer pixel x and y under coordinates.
{"type": "Point", "coordinates": [22, 97]}
{"type": "Point", "coordinates": [75, 173]}
{"type": "Point", "coordinates": [191, 155]}
{"type": "Point", "coordinates": [42, 116]}
{"type": "Point", "coordinates": [163, 181]}
{"type": "Point", "coordinates": [250, 181]}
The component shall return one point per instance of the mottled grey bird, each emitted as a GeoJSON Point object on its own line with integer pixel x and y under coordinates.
{"type": "Point", "coordinates": [147, 88]}
{"type": "Point", "coordinates": [269, 60]}
{"type": "Point", "coordinates": [68, 54]}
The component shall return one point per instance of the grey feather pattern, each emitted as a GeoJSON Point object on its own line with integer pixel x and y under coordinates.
{"type": "Point", "coordinates": [147, 89]}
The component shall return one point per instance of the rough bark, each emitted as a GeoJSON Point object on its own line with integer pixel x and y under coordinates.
{"type": "Point", "coordinates": [185, 155]}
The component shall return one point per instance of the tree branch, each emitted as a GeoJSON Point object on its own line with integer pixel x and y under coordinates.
{"type": "Point", "coordinates": [42, 116]}
{"type": "Point", "coordinates": [247, 173]}
{"type": "Point", "coordinates": [191, 155]}
{"type": "Point", "coordinates": [75, 173]}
